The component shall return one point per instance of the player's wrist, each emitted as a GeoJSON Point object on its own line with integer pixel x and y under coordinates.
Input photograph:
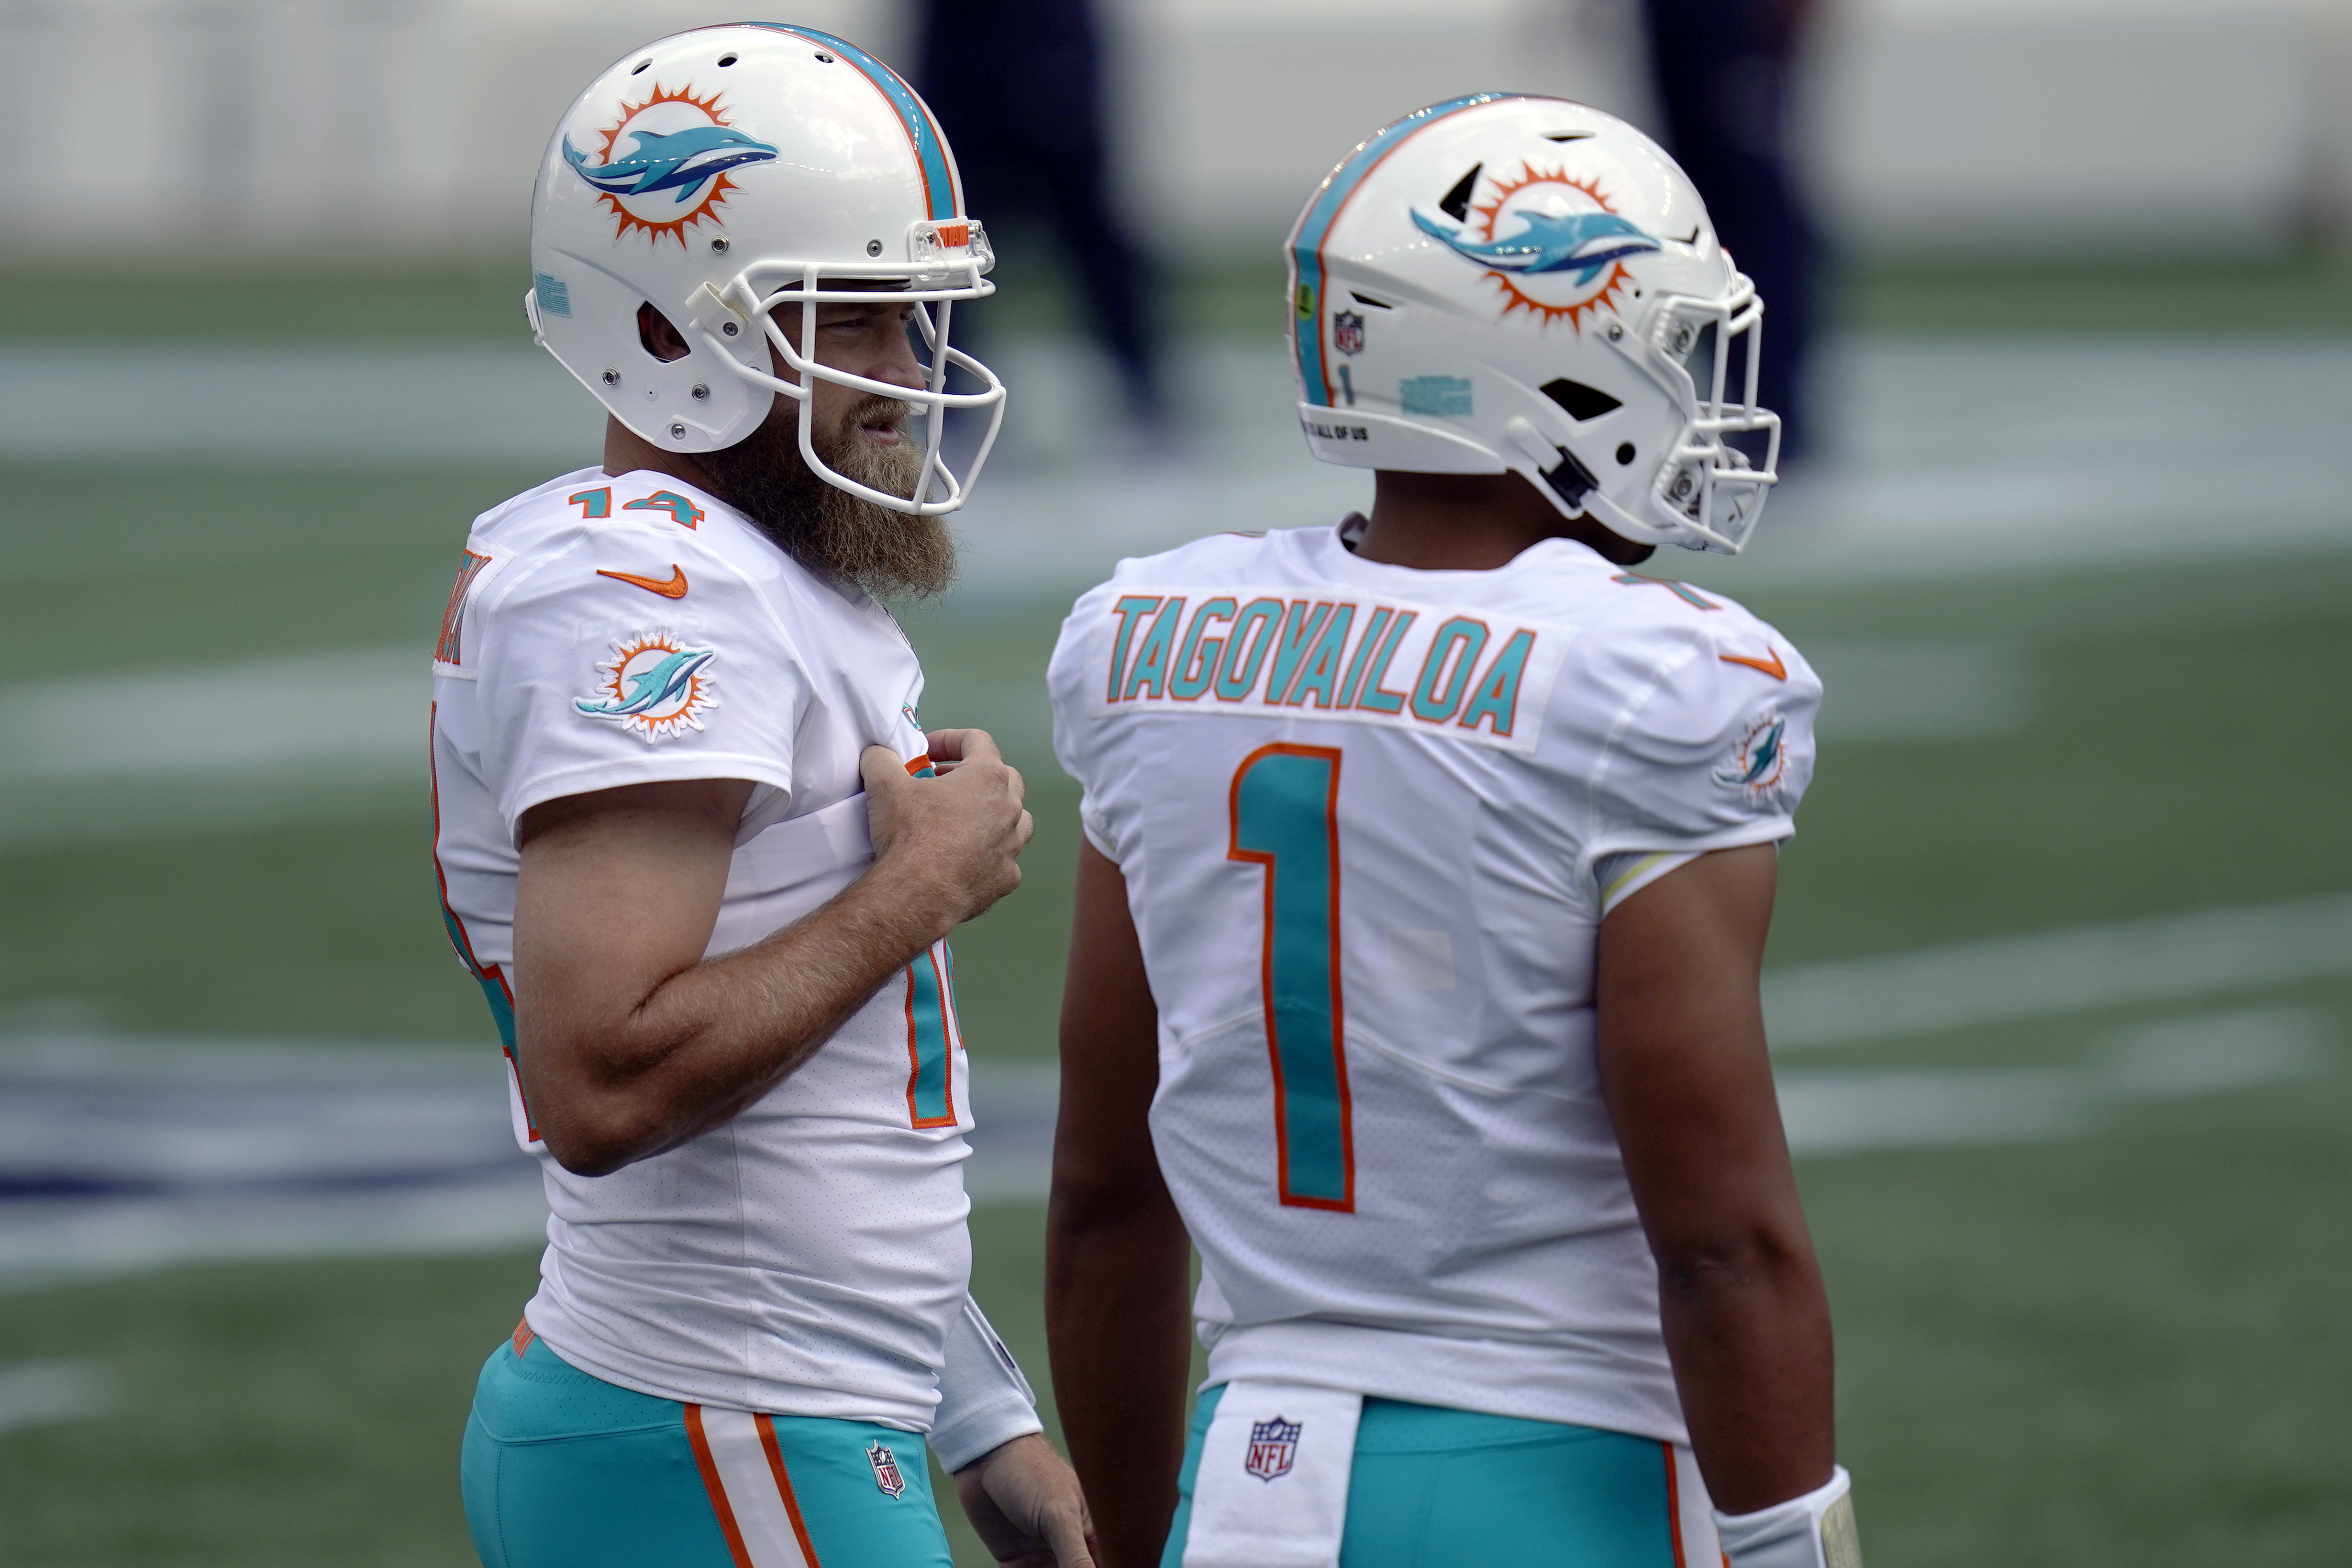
{"type": "Point", "coordinates": [1815, 1530]}
{"type": "Point", "coordinates": [911, 901]}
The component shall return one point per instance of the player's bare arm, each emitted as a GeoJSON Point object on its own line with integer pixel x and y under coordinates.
{"type": "Point", "coordinates": [1689, 1085]}
{"type": "Point", "coordinates": [1117, 1254]}
{"type": "Point", "coordinates": [629, 1043]}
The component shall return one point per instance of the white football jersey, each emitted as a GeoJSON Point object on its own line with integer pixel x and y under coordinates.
{"type": "Point", "coordinates": [810, 1256]}
{"type": "Point", "coordinates": [1363, 812]}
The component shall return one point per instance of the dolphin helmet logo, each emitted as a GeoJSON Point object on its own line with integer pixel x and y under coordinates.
{"type": "Point", "coordinates": [1581, 242]}
{"type": "Point", "coordinates": [663, 165]}
{"type": "Point", "coordinates": [1564, 246]}
{"type": "Point", "coordinates": [684, 160]}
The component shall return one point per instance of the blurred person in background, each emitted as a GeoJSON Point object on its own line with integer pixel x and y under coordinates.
{"type": "Point", "coordinates": [1720, 70]}
{"type": "Point", "coordinates": [1022, 81]}
{"type": "Point", "coordinates": [703, 860]}
{"type": "Point", "coordinates": [1428, 864]}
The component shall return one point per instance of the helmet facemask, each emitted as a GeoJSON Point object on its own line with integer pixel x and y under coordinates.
{"type": "Point", "coordinates": [1707, 491]}
{"type": "Point", "coordinates": [759, 292]}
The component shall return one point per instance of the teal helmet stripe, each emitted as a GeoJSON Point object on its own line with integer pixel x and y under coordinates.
{"type": "Point", "coordinates": [1314, 226]}
{"type": "Point", "coordinates": [940, 190]}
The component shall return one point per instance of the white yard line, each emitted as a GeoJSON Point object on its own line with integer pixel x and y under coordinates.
{"type": "Point", "coordinates": [52, 1392]}
{"type": "Point", "coordinates": [2044, 974]}
{"type": "Point", "coordinates": [1913, 1108]}
{"type": "Point", "coordinates": [1948, 456]}
{"type": "Point", "coordinates": [360, 710]}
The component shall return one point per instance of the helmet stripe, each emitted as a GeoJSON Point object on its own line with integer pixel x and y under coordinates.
{"type": "Point", "coordinates": [940, 188]}
{"type": "Point", "coordinates": [1314, 226]}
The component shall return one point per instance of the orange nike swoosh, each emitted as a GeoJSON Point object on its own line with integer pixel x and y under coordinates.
{"type": "Point", "coordinates": [673, 589]}
{"type": "Point", "coordinates": [1771, 667]}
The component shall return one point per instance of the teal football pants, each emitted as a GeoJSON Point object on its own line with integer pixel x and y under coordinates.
{"type": "Point", "coordinates": [565, 1470]}
{"type": "Point", "coordinates": [1432, 1488]}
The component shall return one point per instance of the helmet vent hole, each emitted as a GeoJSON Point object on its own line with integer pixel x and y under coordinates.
{"type": "Point", "coordinates": [1581, 402]}
{"type": "Point", "coordinates": [725, 60]}
{"type": "Point", "coordinates": [1624, 453]}
{"type": "Point", "coordinates": [1567, 136]}
{"type": "Point", "coordinates": [641, 64]}
{"type": "Point", "coordinates": [1456, 204]}
{"type": "Point", "coordinates": [823, 58]}
{"type": "Point", "coordinates": [1369, 303]}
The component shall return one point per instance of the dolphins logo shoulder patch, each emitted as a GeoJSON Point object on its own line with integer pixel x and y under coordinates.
{"type": "Point", "coordinates": [654, 684]}
{"type": "Point", "coordinates": [670, 153]}
{"type": "Point", "coordinates": [1552, 242]}
{"type": "Point", "coordinates": [1760, 760]}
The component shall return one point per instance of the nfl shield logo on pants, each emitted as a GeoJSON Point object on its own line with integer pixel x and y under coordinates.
{"type": "Point", "coordinates": [1272, 1447]}
{"type": "Point", "coordinates": [885, 1470]}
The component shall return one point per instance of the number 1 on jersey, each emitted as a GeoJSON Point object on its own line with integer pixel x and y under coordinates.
{"type": "Point", "coordinates": [1284, 805]}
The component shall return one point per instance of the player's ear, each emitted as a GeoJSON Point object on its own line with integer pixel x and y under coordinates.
{"type": "Point", "coordinates": [661, 339]}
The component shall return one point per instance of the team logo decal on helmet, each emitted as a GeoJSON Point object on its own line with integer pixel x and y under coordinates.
{"type": "Point", "coordinates": [679, 149]}
{"type": "Point", "coordinates": [1565, 247]}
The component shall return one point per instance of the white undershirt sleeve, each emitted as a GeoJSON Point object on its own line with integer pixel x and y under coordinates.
{"type": "Point", "coordinates": [984, 1401]}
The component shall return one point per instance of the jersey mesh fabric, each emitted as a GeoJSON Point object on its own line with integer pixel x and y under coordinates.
{"type": "Point", "coordinates": [1480, 1248]}
{"type": "Point", "coordinates": [809, 1257]}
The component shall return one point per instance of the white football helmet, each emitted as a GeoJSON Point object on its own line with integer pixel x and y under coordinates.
{"type": "Point", "coordinates": [1504, 283]}
{"type": "Point", "coordinates": [721, 173]}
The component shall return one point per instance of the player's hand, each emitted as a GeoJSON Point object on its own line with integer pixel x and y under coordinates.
{"type": "Point", "coordinates": [1024, 1500]}
{"type": "Point", "coordinates": [958, 836]}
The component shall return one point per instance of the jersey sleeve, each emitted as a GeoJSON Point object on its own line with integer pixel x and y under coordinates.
{"type": "Point", "coordinates": [1707, 744]}
{"type": "Point", "coordinates": [984, 1400]}
{"type": "Point", "coordinates": [589, 683]}
{"type": "Point", "coordinates": [1076, 737]}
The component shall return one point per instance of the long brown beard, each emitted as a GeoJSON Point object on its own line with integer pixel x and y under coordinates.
{"type": "Point", "coordinates": [824, 527]}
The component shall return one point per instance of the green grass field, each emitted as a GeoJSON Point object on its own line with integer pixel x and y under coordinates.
{"type": "Point", "coordinates": [2127, 1347]}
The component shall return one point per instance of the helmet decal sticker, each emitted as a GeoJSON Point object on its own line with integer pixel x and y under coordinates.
{"type": "Point", "coordinates": [1443, 396]}
{"type": "Point", "coordinates": [1314, 228]}
{"type": "Point", "coordinates": [680, 148]}
{"type": "Point", "coordinates": [1348, 331]}
{"type": "Point", "coordinates": [942, 187]}
{"type": "Point", "coordinates": [654, 684]}
{"type": "Point", "coordinates": [1564, 249]}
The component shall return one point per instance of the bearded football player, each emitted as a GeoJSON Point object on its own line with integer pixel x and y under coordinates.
{"type": "Point", "coordinates": [1429, 858]}
{"type": "Point", "coordinates": [703, 861]}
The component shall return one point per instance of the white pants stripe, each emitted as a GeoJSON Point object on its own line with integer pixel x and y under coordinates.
{"type": "Point", "coordinates": [1696, 1546]}
{"type": "Point", "coordinates": [744, 1470]}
